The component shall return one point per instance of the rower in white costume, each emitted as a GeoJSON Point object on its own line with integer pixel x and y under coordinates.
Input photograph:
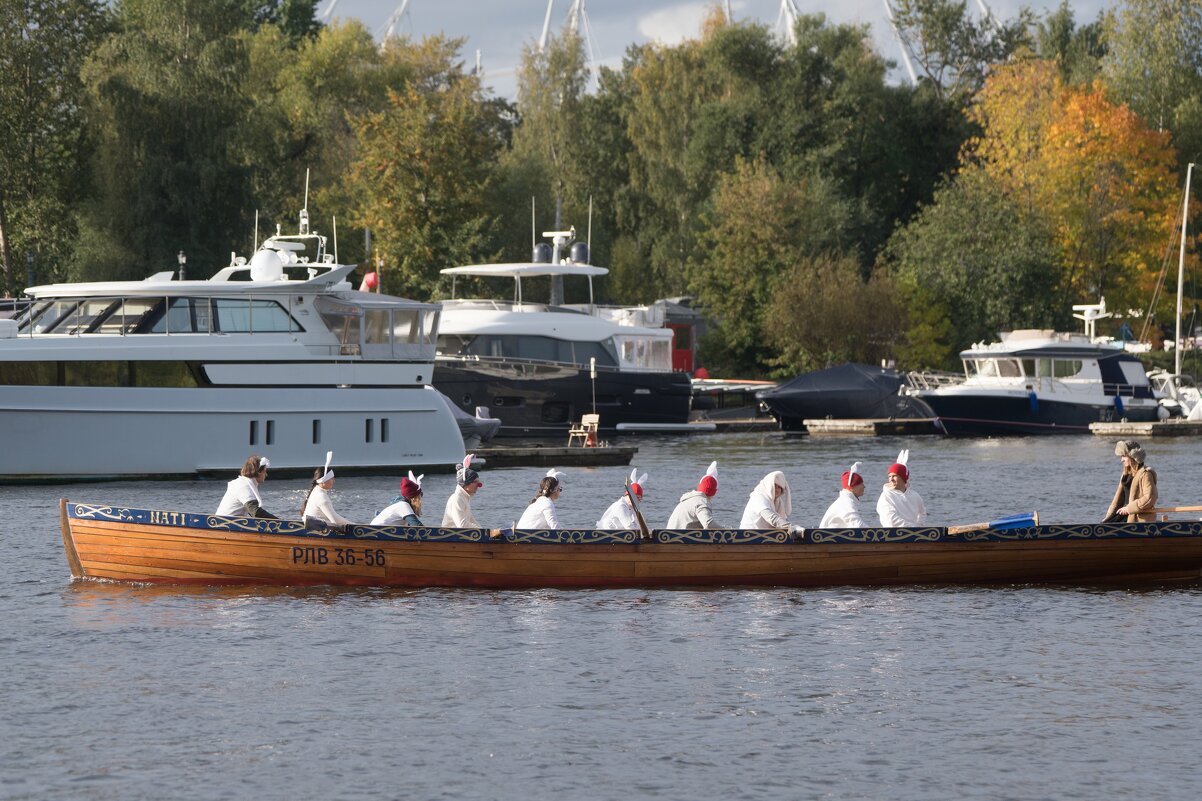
{"type": "Point", "coordinates": [620, 514]}
{"type": "Point", "coordinates": [241, 497]}
{"type": "Point", "coordinates": [540, 513]}
{"type": "Point", "coordinates": [458, 513]}
{"type": "Point", "coordinates": [317, 503]}
{"type": "Point", "coordinates": [769, 504]}
{"type": "Point", "coordinates": [900, 506]}
{"type": "Point", "coordinates": [406, 510]}
{"type": "Point", "coordinates": [693, 509]}
{"type": "Point", "coordinates": [845, 511]}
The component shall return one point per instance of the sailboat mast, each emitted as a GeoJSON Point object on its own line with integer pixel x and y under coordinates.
{"type": "Point", "coordinates": [1178, 345]}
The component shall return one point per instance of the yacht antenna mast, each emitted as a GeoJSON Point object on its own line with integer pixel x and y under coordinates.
{"type": "Point", "coordinates": [304, 213]}
{"type": "Point", "coordinates": [1177, 343]}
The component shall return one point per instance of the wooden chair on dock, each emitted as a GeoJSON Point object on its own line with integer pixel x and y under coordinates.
{"type": "Point", "coordinates": [586, 431]}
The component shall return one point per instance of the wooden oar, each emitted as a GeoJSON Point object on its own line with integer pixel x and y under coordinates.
{"type": "Point", "coordinates": [644, 532]}
{"type": "Point", "coordinates": [1167, 509]}
{"type": "Point", "coordinates": [1001, 524]}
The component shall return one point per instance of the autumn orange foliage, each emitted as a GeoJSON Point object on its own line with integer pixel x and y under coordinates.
{"type": "Point", "coordinates": [1093, 169]}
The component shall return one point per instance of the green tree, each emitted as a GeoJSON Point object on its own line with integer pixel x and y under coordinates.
{"type": "Point", "coordinates": [979, 256]}
{"type": "Point", "coordinates": [165, 101]}
{"type": "Point", "coordinates": [952, 51]}
{"type": "Point", "coordinates": [424, 169]}
{"type": "Point", "coordinates": [43, 133]}
{"type": "Point", "coordinates": [1077, 50]}
{"type": "Point", "coordinates": [551, 85]}
{"type": "Point", "coordinates": [1154, 65]}
{"type": "Point", "coordinates": [296, 19]}
{"type": "Point", "coordinates": [303, 100]}
{"type": "Point", "coordinates": [824, 313]}
{"type": "Point", "coordinates": [759, 228]}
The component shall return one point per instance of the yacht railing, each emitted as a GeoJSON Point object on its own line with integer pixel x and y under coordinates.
{"type": "Point", "coordinates": [932, 379]}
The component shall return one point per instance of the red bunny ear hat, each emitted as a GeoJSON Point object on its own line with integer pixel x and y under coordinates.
{"type": "Point", "coordinates": [899, 467]}
{"type": "Point", "coordinates": [636, 482]}
{"type": "Point", "coordinates": [411, 487]}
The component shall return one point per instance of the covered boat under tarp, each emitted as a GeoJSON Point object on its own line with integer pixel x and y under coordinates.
{"type": "Point", "coordinates": [849, 391]}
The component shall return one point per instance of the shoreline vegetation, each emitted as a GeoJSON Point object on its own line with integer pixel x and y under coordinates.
{"type": "Point", "coordinates": [816, 209]}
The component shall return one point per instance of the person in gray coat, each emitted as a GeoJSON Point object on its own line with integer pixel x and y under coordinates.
{"type": "Point", "coordinates": [693, 510]}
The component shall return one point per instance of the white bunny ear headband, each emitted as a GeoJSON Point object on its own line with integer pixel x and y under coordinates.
{"type": "Point", "coordinates": [326, 473]}
{"type": "Point", "coordinates": [855, 469]}
{"type": "Point", "coordinates": [712, 470]}
{"type": "Point", "coordinates": [904, 456]}
{"type": "Point", "coordinates": [463, 466]}
{"type": "Point", "coordinates": [416, 479]}
{"type": "Point", "coordinates": [635, 478]}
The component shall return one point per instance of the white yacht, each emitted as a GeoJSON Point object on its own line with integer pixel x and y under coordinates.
{"type": "Point", "coordinates": [540, 366]}
{"type": "Point", "coordinates": [1040, 382]}
{"type": "Point", "coordinates": [162, 377]}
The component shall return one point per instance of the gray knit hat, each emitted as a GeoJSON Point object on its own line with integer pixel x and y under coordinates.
{"type": "Point", "coordinates": [1124, 447]}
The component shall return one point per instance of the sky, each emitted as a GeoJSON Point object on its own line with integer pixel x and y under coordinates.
{"type": "Point", "coordinates": [499, 28]}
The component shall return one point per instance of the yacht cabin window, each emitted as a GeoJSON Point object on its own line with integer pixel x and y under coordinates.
{"type": "Point", "coordinates": [993, 368]}
{"type": "Point", "coordinates": [377, 332]}
{"type": "Point", "coordinates": [146, 315]}
{"type": "Point", "coordinates": [536, 348]}
{"type": "Point", "coordinates": [258, 316]}
{"type": "Point", "coordinates": [1052, 368]}
{"type": "Point", "coordinates": [184, 316]}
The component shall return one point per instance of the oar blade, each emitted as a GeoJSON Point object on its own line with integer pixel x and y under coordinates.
{"type": "Point", "coordinates": [1013, 521]}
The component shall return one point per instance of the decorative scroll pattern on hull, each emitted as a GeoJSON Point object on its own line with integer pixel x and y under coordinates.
{"type": "Point", "coordinates": [854, 535]}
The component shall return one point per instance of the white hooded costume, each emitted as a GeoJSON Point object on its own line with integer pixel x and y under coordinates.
{"type": "Point", "coordinates": [845, 511]}
{"type": "Point", "coordinates": [764, 509]}
{"type": "Point", "coordinates": [620, 514]}
{"type": "Point", "coordinates": [901, 509]}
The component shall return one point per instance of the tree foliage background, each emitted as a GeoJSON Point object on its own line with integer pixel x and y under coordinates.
{"type": "Point", "coordinates": [817, 205]}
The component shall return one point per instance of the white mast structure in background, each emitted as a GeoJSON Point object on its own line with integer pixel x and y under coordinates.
{"type": "Point", "coordinates": [786, 21]}
{"type": "Point", "coordinates": [577, 22]}
{"type": "Point", "coordinates": [986, 16]}
{"type": "Point", "coordinates": [328, 13]}
{"type": "Point", "coordinates": [904, 50]}
{"type": "Point", "coordinates": [394, 21]}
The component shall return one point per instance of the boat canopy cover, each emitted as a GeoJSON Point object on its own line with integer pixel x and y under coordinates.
{"type": "Point", "coordinates": [848, 391]}
{"type": "Point", "coordinates": [525, 270]}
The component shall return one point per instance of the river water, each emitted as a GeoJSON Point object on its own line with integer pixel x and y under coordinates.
{"type": "Point", "coordinates": [1020, 692]}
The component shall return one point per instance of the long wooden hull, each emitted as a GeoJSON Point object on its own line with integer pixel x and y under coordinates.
{"type": "Point", "coordinates": [124, 544]}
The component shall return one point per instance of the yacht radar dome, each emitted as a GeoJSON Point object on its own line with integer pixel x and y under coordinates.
{"type": "Point", "coordinates": [266, 266]}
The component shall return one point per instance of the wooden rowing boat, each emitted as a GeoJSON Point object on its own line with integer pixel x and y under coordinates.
{"type": "Point", "coordinates": [120, 543]}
